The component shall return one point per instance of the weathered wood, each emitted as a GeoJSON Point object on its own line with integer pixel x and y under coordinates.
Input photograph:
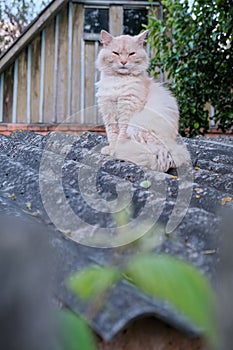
{"type": "Point", "coordinates": [68, 86]}
{"type": "Point", "coordinates": [32, 31]}
{"type": "Point", "coordinates": [42, 75]}
{"type": "Point", "coordinates": [48, 110]}
{"type": "Point", "coordinates": [116, 20]}
{"type": "Point", "coordinates": [21, 112]}
{"type": "Point", "coordinates": [29, 66]}
{"type": "Point", "coordinates": [1, 96]}
{"type": "Point", "coordinates": [151, 334]}
{"type": "Point", "coordinates": [62, 74]}
{"type": "Point", "coordinates": [35, 79]}
{"type": "Point", "coordinates": [70, 57]}
{"type": "Point", "coordinates": [117, 2]}
{"type": "Point", "coordinates": [15, 91]}
{"type": "Point", "coordinates": [76, 62]}
{"type": "Point", "coordinates": [8, 94]}
{"type": "Point", "coordinates": [98, 118]}
{"type": "Point", "coordinates": [89, 82]}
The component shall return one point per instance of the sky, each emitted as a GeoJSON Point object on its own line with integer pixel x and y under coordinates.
{"type": "Point", "coordinates": [38, 6]}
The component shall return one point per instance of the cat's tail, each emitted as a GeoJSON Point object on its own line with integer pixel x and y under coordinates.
{"type": "Point", "coordinates": [159, 157]}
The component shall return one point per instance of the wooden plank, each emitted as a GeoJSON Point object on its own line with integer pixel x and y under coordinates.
{"type": "Point", "coordinates": [42, 75]}
{"type": "Point", "coordinates": [29, 66]}
{"type": "Point", "coordinates": [21, 113]}
{"type": "Point", "coordinates": [35, 79]}
{"type": "Point", "coordinates": [1, 96]}
{"type": "Point", "coordinates": [8, 94]}
{"type": "Point", "coordinates": [70, 57]}
{"type": "Point", "coordinates": [31, 32]}
{"type": "Point", "coordinates": [62, 74]}
{"type": "Point", "coordinates": [97, 118]}
{"type": "Point", "coordinates": [48, 111]}
{"type": "Point", "coordinates": [76, 62]}
{"type": "Point", "coordinates": [56, 44]}
{"type": "Point", "coordinates": [82, 82]}
{"type": "Point", "coordinates": [89, 82]}
{"type": "Point", "coordinates": [117, 2]}
{"type": "Point", "coordinates": [116, 20]}
{"type": "Point", "coordinates": [15, 91]}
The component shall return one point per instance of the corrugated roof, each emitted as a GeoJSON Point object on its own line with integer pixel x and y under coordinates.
{"type": "Point", "coordinates": [196, 237]}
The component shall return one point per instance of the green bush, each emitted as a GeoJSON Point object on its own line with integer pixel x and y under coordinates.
{"type": "Point", "coordinates": [193, 45]}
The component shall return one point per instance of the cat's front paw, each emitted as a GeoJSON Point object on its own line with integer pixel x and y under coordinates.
{"type": "Point", "coordinates": [107, 151]}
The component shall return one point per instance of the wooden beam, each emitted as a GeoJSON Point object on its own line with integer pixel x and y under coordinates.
{"type": "Point", "coordinates": [49, 66]}
{"type": "Point", "coordinates": [78, 19]}
{"type": "Point", "coordinates": [35, 79]}
{"type": "Point", "coordinates": [29, 72]}
{"type": "Point", "coordinates": [116, 20]}
{"type": "Point", "coordinates": [42, 75]}
{"type": "Point", "coordinates": [1, 96]}
{"type": "Point", "coordinates": [15, 91]}
{"type": "Point", "coordinates": [29, 34]}
{"type": "Point", "coordinates": [8, 94]}
{"type": "Point", "coordinates": [70, 57]}
{"type": "Point", "coordinates": [62, 72]}
{"type": "Point", "coordinates": [55, 73]}
{"type": "Point", "coordinates": [21, 104]}
{"type": "Point", "coordinates": [132, 3]}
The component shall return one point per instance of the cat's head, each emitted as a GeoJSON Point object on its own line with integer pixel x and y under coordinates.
{"type": "Point", "coordinates": [123, 54]}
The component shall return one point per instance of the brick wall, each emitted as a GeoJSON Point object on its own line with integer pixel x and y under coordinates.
{"type": "Point", "coordinates": [7, 128]}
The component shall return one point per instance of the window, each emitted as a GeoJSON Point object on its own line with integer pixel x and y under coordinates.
{"type": "Point", "coordinates": [133, 20]}
{"type": "Point", "coordinates": [95, 19]}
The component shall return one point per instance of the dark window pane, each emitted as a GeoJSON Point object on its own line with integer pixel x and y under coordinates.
{"type": "Point", "coordinates": [133, 20]}
{"type": "Point", "coordinates": [95, 19]}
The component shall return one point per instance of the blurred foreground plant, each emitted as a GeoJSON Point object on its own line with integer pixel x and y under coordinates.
{"type": "Point", "coordinates": [161, 276]}
{"type": "Point", "coordinates": [74, 332]}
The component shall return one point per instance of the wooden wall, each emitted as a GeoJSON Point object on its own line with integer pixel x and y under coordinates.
{"type": "Point", "coordinates": [52, 79]}
{"type": "Point", "coordinates": [7, 95]}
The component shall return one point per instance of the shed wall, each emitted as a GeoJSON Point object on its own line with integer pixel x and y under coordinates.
{"type": "Point", "coordinates": [52, 79]}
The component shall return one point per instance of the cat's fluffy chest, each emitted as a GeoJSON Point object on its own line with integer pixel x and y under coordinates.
{"type": "Point", "coordinates": [115, 87]}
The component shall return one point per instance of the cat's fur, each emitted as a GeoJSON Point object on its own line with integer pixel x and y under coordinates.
{"type": "Point", "coordinates": [140, 116]}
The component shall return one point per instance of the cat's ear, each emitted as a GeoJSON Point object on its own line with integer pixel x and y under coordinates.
{"type": "Point", "coordinates": [106, 37]}
{"type": "Point", "coordinates": [140, 38]}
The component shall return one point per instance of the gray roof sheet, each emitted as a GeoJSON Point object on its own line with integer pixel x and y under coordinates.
{"type": "Point", "coordinates": [20, 157]}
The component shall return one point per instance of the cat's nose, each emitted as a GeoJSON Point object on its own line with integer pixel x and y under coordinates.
{"type": "Point", "coordinates": [123, 62]}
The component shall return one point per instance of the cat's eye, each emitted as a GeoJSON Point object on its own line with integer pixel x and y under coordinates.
{"type": "Point", "coordinates": [115, 53]}
{"type": "Point", "coordinates": [132, 53]}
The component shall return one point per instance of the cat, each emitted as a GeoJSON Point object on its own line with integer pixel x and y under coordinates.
{"type": "Point", "coordinates": [140, 116]}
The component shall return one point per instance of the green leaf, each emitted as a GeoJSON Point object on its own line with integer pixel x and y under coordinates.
{"type": "Point", "coordinates": [196, 125]}
{"type": "Point", "coordinates": [145, 184]}
{"type": "Point", "coordinates": [92, 281]}
{"type": "Point", "coordinates": [199, 41]}
{"type": "Point", "coordinates": [74, 333]}
{"type": "Point", "coordinates": [122, 216]}
{"type": "Point", "coordinates": [178, 283]}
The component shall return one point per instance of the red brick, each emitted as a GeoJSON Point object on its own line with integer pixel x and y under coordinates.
{"type": "Point", "coordinates": [74, 127]}
{"type": "Point", "coordinates": [52, 127]}
{"type": "Point", "coordinates": [62, 127]}
{"type": "Point", "coordinates": [42, 128]}
{"type": "Point", "coordinates": [17, 126]}
{"type": "Point", "coordinates": [3, 127]}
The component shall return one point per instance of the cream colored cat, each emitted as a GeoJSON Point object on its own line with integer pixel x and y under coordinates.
{"type": "Point", "coordinates": [140, 116]}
